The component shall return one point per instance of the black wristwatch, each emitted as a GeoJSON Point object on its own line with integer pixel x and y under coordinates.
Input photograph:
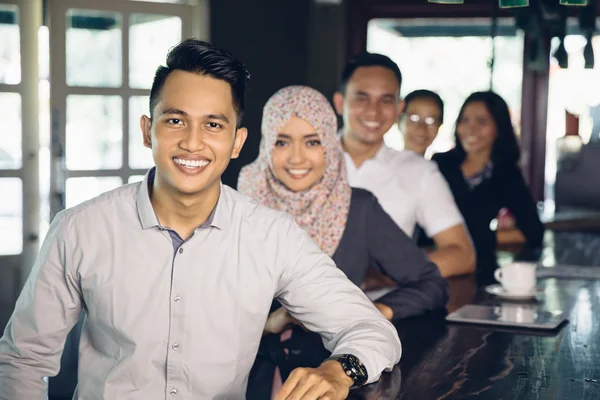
{"type": "Point", "coordinates": [353, 368]}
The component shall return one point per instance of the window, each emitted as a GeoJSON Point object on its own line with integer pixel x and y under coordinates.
{"type": "Point", "coordinates": [574, 90]}
{"type": "Point", "coordinates": [451, 57]}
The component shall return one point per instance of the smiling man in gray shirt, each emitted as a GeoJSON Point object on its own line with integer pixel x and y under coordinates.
{"type": "Point", "coordinates": [176, 274]}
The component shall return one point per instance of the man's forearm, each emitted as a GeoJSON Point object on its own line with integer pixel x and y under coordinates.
{"type": "Point", "coordinates": [453, 260]}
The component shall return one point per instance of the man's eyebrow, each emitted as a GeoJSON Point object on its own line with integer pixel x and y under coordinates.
{"type": "Point", "coordinates": [218, 117]}
{"type": "Point", "coordinates": [175, 111]}
{"type": "Point", "coordinates": [386, 95]}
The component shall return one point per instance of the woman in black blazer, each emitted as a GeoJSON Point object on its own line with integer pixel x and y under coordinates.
{"type": "Point", "coordinates": [483, 174]}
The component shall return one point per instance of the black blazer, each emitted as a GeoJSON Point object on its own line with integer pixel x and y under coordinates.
{"type": "Point", "coordinates": [480, 205]}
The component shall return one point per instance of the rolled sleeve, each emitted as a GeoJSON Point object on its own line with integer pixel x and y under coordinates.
{"type": "Point", "coordinates": [319, 295]}
{"type": "Point", "coordinates": [46, 310]}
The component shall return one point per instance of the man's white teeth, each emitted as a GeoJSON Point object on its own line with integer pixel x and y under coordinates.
{"type": "Point", "coordinates": [371, 124]}
{"type": "Point", "coordinates": [191, 163]}
{"type": "Point", "coordinates": [298, 171]}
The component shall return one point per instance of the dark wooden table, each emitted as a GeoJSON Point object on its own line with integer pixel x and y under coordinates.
{"type": "Point", "coordinates": [458, 361]}
{"type": "Point", "coordinates": [451, 361]}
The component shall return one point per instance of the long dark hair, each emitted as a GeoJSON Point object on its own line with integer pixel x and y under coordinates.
{"type": "Point", "coordinates": [506, 148]}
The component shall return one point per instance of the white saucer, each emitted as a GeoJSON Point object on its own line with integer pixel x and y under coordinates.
{"type": "Point", "coordinates": [497, 290]}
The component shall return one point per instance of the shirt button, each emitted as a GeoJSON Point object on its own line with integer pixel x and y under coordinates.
{"type": "Point", "coordinates": [175, 346]}
{"type": "Point", "coordinates": [180, 250]}
{"type": "Point", "coordinates": [173, 392]}
{"type": "Point", "coordinates": [177, 299]}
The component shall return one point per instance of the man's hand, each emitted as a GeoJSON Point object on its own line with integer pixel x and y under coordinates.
{"type": "Point", "coordinates": [327, 382]}
{"type": "Point", "coordinates": [375, 280]}
{"type": "Point", "coordinates": [277, 322]}
{"type": "Point", "coordinates": [386, 310]}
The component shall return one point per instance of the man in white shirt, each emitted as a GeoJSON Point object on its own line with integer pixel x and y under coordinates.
{"type": "Point", "coordinates": [176, 274]}
{"type": "Point", "coordinates": [410, 189]}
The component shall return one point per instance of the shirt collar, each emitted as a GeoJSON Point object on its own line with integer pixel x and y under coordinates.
{"type": "Point", "coordinates": [380, 156]}
{"type": "Point", "coordinates": [218, 218]}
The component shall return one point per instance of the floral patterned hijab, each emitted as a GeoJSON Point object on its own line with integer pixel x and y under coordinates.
{"type": "Point", "coordinates": [322, 210]}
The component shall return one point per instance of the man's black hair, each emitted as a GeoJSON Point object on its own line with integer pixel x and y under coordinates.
{"type": "Point", "coordinates": [193, 55]}
{"type": "Point", "coordinates": [366, 59]}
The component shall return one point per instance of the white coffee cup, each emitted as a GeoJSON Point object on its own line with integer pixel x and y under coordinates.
{"type": "Point", "coordinates": [517, 278]}
{"type": "Point", "coordinates": [515, 313]}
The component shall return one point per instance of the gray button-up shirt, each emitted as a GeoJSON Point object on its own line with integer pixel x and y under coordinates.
{"type": "Point", "coordinates": [184, 324]}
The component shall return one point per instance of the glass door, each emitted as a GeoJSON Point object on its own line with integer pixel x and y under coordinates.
{"type": "Point", "coordinates": [19, 144]}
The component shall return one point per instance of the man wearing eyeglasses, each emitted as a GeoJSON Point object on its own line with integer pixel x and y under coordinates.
{"type": "Point", "coordinates": [423, 115]}
{"type": "Point", "coordinates": [410, 189]}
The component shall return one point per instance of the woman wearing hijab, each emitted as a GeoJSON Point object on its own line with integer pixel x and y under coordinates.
{"type": "Point", "coordinates": [300, 169]}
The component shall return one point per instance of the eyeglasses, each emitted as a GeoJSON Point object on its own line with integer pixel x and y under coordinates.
{"type": "Point", "coordinates": [416, 119]}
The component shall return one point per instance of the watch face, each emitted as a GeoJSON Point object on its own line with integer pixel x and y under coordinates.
{"type": "Point", "coordinates": [359, 372]}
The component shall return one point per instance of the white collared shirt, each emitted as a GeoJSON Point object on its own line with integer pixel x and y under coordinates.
{"type": "Point", "coordinates": [410, 189]}
{"type": "Point", "coordinates": [183, 324]}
